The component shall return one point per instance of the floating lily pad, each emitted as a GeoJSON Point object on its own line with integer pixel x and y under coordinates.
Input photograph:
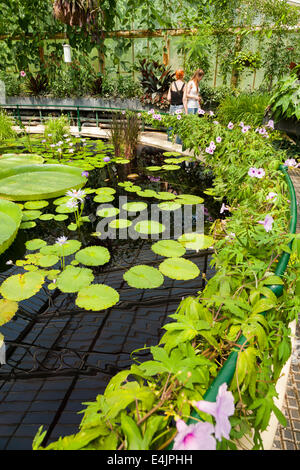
{"type": "Point", "coordinates": [35, 244]}
{"type": "Point", "coordinates": [132, 189]}
{"type": "Point", "coordinates": [45, 217]}
{"type": "Point", "coordinates": [61, 200]}
{"type": "Point", "coordinates": [135, 206]}
{"type": "Point", "coordinates": [171, 167]}
{"type": "Point", "coordinates": [165, 195]}
{"type": "Point", "coordinates": [103, 197]}
{"type": "Point", "coordinates": [8, 308]}
{"type": "Point", "coordinates": [189, 199]}
{"type": "Point", "coordinates": [179, 268]}
{"type": "Point", "coordinates": [196, 241]}
{"type": "Point", "coordinates": [33, 205]}
{"type": "Point", "coordinates": [169, 206]}
{"type": "Point", "coordinates": [144, 277]}
{"type": "Point", "coordinates": [168, 248]}
{"type": "Point", "coordinates": [61, 217]}
{"type": "Point", "coordinates": [120, 223]}
{"type": "Point", "coordinates": [27, 225]}
{"type": "Point", "coordinates": [93, 256]}
{"type": "Point", "coordinates": [97, 297]}
{"type": "Point", "coordinates": [105, 190]}
{"type": "Point", "coordinates": [153, 168]}
{"type": "Point", "coordinates": [73, 279]}
{"type": "Point", "coordinates": [68, 248]}
{"type": "Point", "coordinates": [147, 193]}
{"type": "Point", "coordinates": [172, 154]}
{"type": "Point", "coordinates": [22, 286]}
{"type": "Point", "coordinates": [64, 209]}
{"type": "Point", "coordinates": [150, 227]}
{"type": "Point", "coordinates": [31, 215]}
{"type": "Point", "coordinates": [31, 182]}
{"type": "Point", "coordinates": [108, 212]}
{"type": "Point", "coordinates": [48, 260]}
{"type": "Point", "coordinates": [11, 160]}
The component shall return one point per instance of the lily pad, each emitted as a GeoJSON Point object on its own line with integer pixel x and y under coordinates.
{"type": "Point", "coordinates": [150, 227]}
{"type": "Point", "coordinates": [31, 215]}
{"type": "Point", "coordinates": [35, 244]}
{"type": "Point", "coordinates": [93, 256]}
{"type": "Point", "coordinates": [8, 308]}
{"type": "Point", "coordinates": [10, 220]}
{"type": "Point", "coordinates": [189, 199]}
{"type": "Point", "coordinates": [34, 205]}
{"type": "Point", "coordinates": [73, 279]}
{"type": "Point", "coordinates": [153, 168]}
{"type": "Point", "coordinates": [196, 241]}
{"type": "Point", "coordinates": [103, 197]}
{"type": "Point", "coordinates": [168, 248]}
{"type": "Point", "coordinates": [105, 190]}
{"type": "Point", "coordinates": [11, 160]}
{"type": "Point", "coordinates": [147, 193]}
{"type": "Point", "coordinates": [169, 206]}
{"type": "Point", "coordinates": [68, 248]}
{"type": "Point", "coordinates": [179, 268]}
{"type": "Point", "coordinates": [171, 167]}
{"type": "Point", "coordinates": [48, 260]}
{"type": "Point", "coordinates": [97, 297]}
{"type": "Point", "coordinates": [108, 212]}
{"type": "Point", "coordinates": [135, 206]}
{"type": "Point", "coordinates": [27, 225]}
{"type": "Point", "coordinates": [165, 195]}
{"type": "Point", "coordinates": [120, 223]}
{"type": "Point", "coordinates": [45, 217]}
{"type": "Point", "coordinates": [31, 182]}
{"type": "Point", "coordinates": [22, 286]}
{"type": "Point", "coordinates": [143, 277]}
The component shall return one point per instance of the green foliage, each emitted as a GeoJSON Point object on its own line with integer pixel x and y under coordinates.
{"type": "Point", "coordinates": [249, 108]}
{"type": "Point", "coordinates": [56, 128]}
{"type": "Point", "coordinates": [285, 102]}
{"type": "Point", "coordinates": [6, 126]}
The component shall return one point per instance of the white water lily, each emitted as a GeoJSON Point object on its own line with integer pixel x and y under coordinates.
{"type": "Point", "coordinates": [76, 194]}
{"type": "Point", "coordinates": [72, 203]}
{"type": "Point", "coordinates": [61, 240]}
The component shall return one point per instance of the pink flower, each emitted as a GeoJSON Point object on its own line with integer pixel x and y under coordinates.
{"type": "Point", "coordinates": [194, 437]}
{"type": "Point", "coordinates": [260, 173]}
{"type": "Point", "coordinates": [212, 145]}
{"type": "Point", "coordinates": [262, 131]}
{"type": "Point", "coordinates": [218, 140]}
{"type": "Point", "coordinates": [22, 73]}
{"type": "Point", "coordinates": [230, 125]}
{"type": "Point", "coordinates": [220, 410]}
{"type": "Point", "coordinates": [270, 124]}
{"type": "Point", "coordinates": [211, 113]}
{"type": "Point", "coordinates": [216, 122]}
{"type": "Point", "coordinates": [267, 223]}
{"type": "Point", "coordinates": [209, 150]}
{"type": "Point", "coordinates": [106, 159]}
{"type": "Point", "coordinates": [272, 196]}
{"type": "Point", "coordinates": [291, 162]}
{"type": "Point", "coordinates": [85, 174]}
{"type": "Point", "coordinates": [201, 111]}
{"type": "Point", "coordinates": [252, 172]}
{"type": "Point", "coordinates": [178, 116]}
{"type": "Point", "coordinates": [241, 124]}
{"type": "Point", "coordinates": [224, 208]}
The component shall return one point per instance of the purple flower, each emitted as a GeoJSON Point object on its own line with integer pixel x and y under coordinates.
{"type": "Point", "coordinates": [218, 140]}
{"type": "Point", "coordinates": [178, 116]}
{"type": "Point", "coordinates": [211, 113]}
{"type": "Point", "coordinates": [272, 196]}
{"type": "Point", "coordinates": [245, 129]}
{"type": "Point", "coordinates": [216, 122]}
{"type": "Point", "coordinates": [292, 162]}
{"type": "Point", "coordinates": [201, 111]}
{"type": "Point", "coordinates": [267, 223]}
{"type": "Point", "coordinates": [123, 112]}
{"type": "Point", "coordinates": [194, 437]}
{"type": "Point", "coordinates": [262, 131]}
{"type": "Point", "coordinates": [209, 150]}
{"type": "Point", "coordinates": [212, 145]}
{"type": "Point", "coordinates": [85, 174]}
{"type": "Point", "coordinates": [230, 125]}
{"type": "Point", "coordinates": [241, 124]}
{"type": "Point", "coordinates": [270, 124]}
{"type": "Point", "coordinates": [106, 159]}
{"type": "Point", "coordinates": [220, 410]}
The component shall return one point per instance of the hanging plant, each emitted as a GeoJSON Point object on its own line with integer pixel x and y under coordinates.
{"type": "Point", "coordinates": [247, 59]}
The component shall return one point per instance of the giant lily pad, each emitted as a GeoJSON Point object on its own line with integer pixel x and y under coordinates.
{"type": "Point", "coordinates": [97, 297]}
{"type": "Point", "coordinates": [31, 182]}
{"type": "Point", "coordinates": [10, 220]}
{"type": "Point", "coordinates": [144, 277]}
{"type": "Point", "coordinates": [8, 308]}
{"type": "Point", "coordinates": [11, 160]}
{"type": "Point", "coordinates": [22, 286]}
{"type": "Point", "coordinates": [179, 268]}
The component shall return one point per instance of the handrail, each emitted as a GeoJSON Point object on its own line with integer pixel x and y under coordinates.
{"type": "Point", "coordinates": [227, 371]}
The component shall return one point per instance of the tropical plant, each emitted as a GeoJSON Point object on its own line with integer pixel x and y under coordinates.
{"type": "Point", "coordinates": [37, 84]}
{"type": "Point", "coordinates": [155, 77]}
{"type": "Point", "coordinates": [6, 126]}
{"type": "Point", "coordinates": [76, 12]}
{"type": "Point", "coordinates": [56, 128]}
{"type": "Point", "coordinates": [285, 102]}
{"type": "Point", "coordinates": [132, 126]}
{"type": "Point", "coordinates": [247, 59]}
{"type": "Point", "coordinates": [246, 107]}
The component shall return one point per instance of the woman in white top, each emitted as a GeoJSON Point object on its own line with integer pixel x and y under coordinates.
{"type": "Point", "coordinates": [191, 98]}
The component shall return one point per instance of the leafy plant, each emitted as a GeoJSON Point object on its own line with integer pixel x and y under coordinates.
{"type": "Point", "coordinates": [6, 126]}
{"type": "Point", "coordinates": [285, 102]}
{"type": "Point", "coordinates": [155, 77]}
{"type": "Point", "coordinates": [247, 59]}
{"type": "Point", "coordinates": [56, 129]}
{"type": "Point", "coordinates": [37, 84]}
{"type": "Point", "coordinates": [246, 107]}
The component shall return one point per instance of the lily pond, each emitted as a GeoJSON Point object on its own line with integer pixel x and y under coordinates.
{"type": "Point", "coordinates": [104, 249]}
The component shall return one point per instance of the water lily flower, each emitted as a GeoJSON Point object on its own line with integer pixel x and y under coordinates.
{"type": "Point", "coordinates": [59, 150]}
{"type": "Point", "coordinates": [194, 437]}
{"type": "Point", "coordinates": [49, 135]}
{"type": "Point", "coordinates": [272, 196]}
{"type": "Point", "coordinates": [76, 194]}
{"type": "Point", "coordinates": [230, 125]}
{"type": "Point", "coordinates": [241, 124]}
{"type": "Point", "coordinates": [139, 115]}
{"type": "Point", "coordinates": [218, 139]}
{"type": "Point", "coordinates": [71, 150]}
{"type": "Point", "coordinates": [72, 203]}
{"type": "Point", "coordinates": [292, 162]}
{"type": "Point", "coordinates": [224, 208]}
{"type": "Point", "coordinates": [123, 112]}
{"type": "Point", "coordinates": [85, 174]}
{"type": "Point", "coordinates": [61, 240]}
{"type": "Point", "coordinates": [9, 262]}
{"type": "Point", "coordinates": [106, 159]}
{"type": "Point", "coordinates": [221, 409]}
{"type": "Point", "coordinates": [267, 223]}
{"type": "Point", "coordinates": [262, 131]}
{"type": "Point", "coordinates": [245, 129]}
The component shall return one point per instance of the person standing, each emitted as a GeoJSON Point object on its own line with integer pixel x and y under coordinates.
{"type": "Point", "coordinates": [192, 98]}
{"type": "Point", "coordinates": [175, 97]}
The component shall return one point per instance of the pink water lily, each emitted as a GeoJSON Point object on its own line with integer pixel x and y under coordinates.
{"type": "Point", "coordinates": [267, 223]}
{"type": "Point", "coordinates": [220, 410]}
{"type": "Point", "coordinates": [194, 437]}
